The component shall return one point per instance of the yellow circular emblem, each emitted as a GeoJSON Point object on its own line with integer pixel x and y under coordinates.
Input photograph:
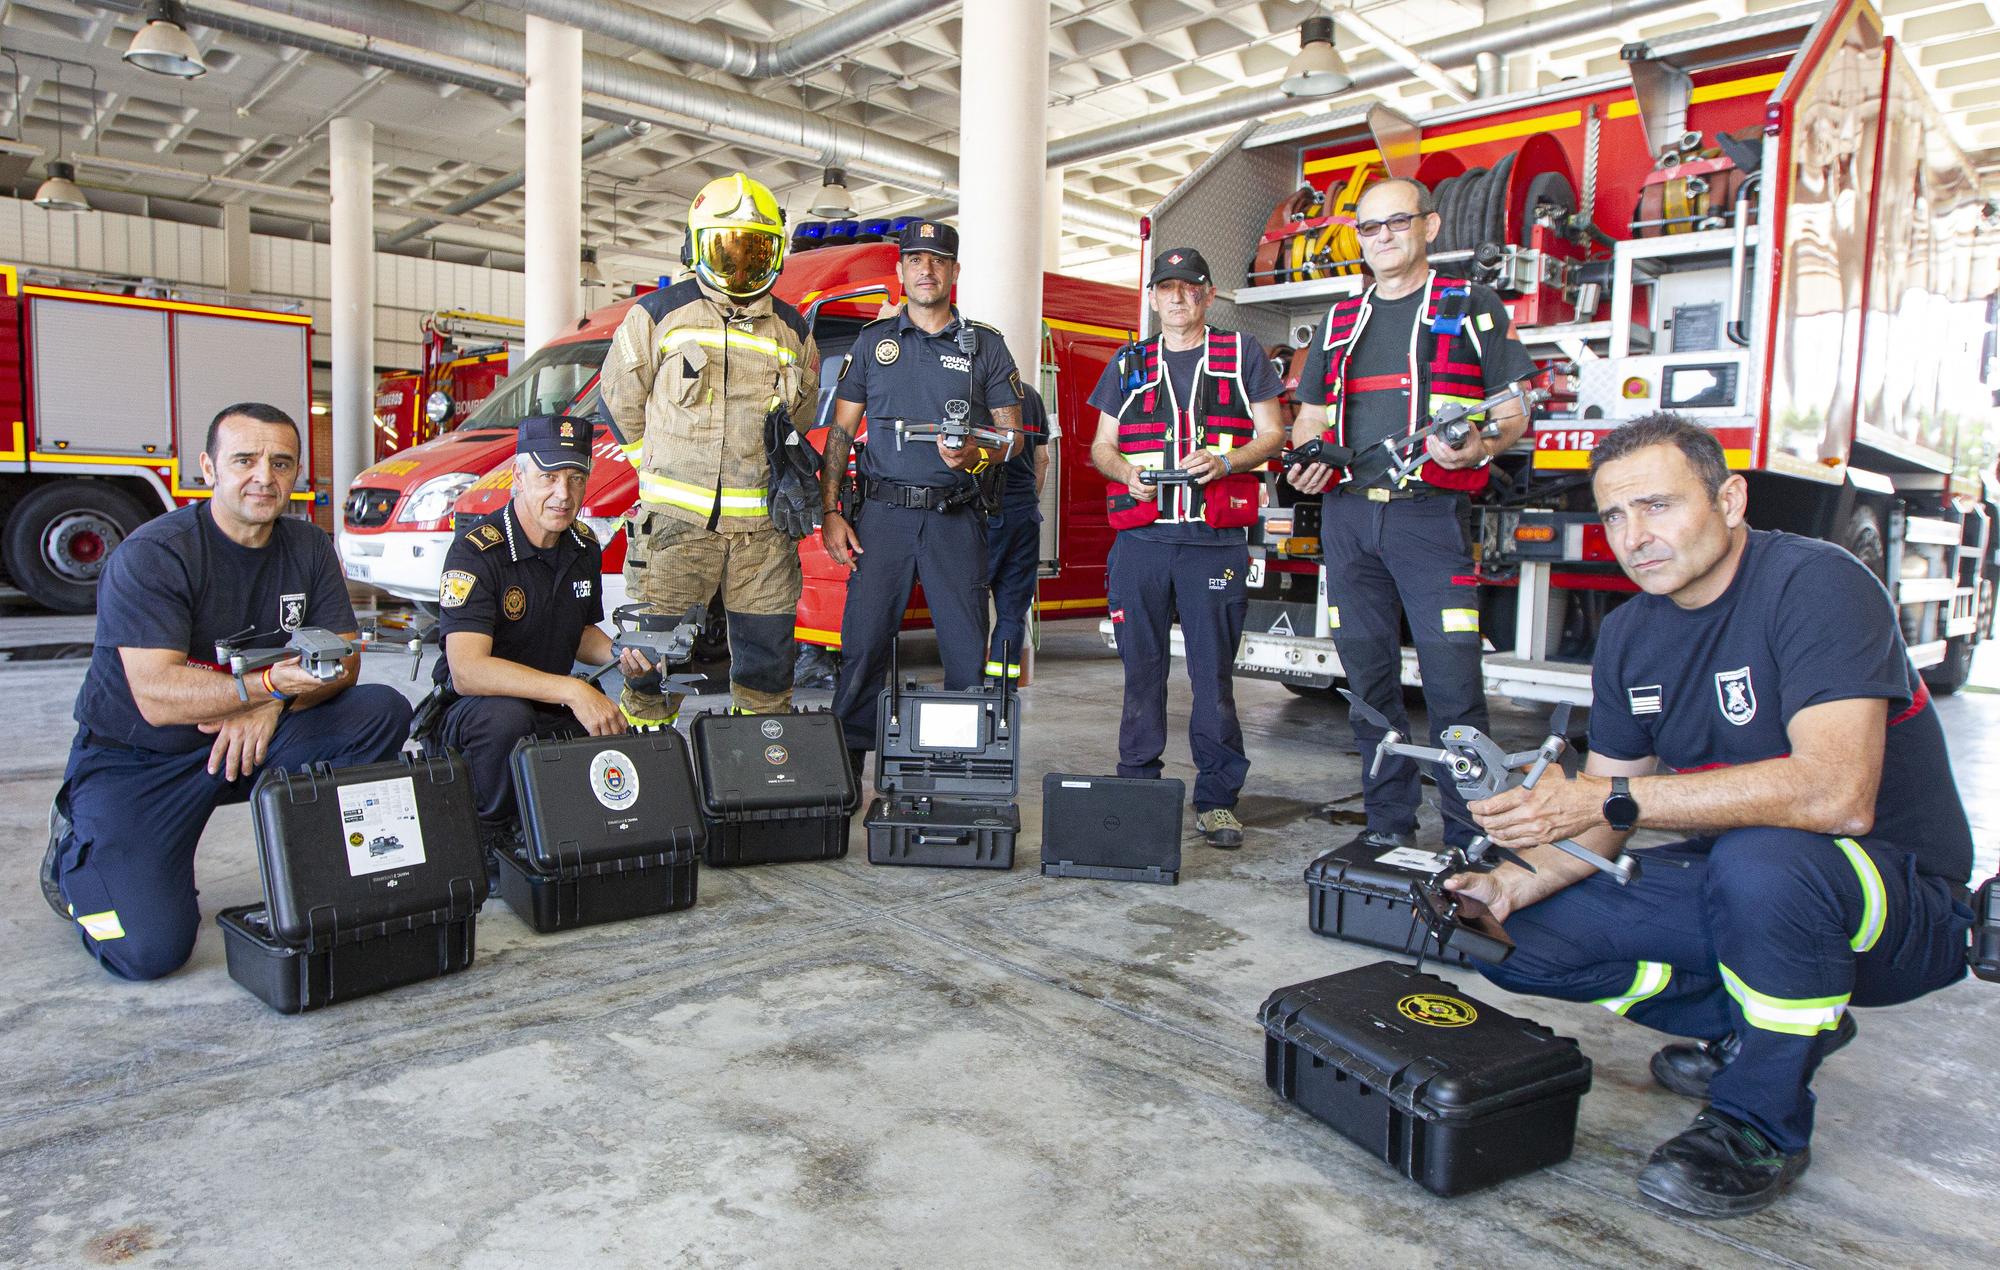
{"type": "Point", "coordinates": [514, 603]}
{"type": "Point", "coordinates": [1432, 1010]}
{"type": "Point", "coordinates": [354, 839]}
{"type": "Point", "coordinates": [887, 352]}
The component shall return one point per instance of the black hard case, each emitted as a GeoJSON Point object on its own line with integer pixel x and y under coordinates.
{"type": "Point", "coordinates": [1352, 894]}
{"type": "Point", "coordinates": [945, 808]}
{"type": "Point", "coordinates": [323, 933]}
{"type": "Point", "coordinates": [582, 860]}
{"type": "Point", "coordinates": [1112, 828]}
{"type": "Point", "coordinates": [775, 788]}
{"type": "Point", "coordinates": [1474, 1097]}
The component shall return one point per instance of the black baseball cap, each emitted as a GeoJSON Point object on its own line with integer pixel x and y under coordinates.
{"type": "Point", "coordinates": [928, 235]}
{"type": "Point", "coordinates": [1184, 263]}
{"type": "Point", "coordinates": [554, 441]}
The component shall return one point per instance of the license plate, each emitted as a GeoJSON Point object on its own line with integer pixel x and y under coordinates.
{"type": "Point", "coordinates": [1255, 578]}
{"type": "Point", "coordinates": [357, 571]}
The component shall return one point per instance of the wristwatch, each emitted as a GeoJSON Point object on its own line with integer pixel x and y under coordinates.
{"type": "Point", "coordinates": [1621, 810]}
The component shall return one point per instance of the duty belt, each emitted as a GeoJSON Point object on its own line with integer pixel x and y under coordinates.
{"type": "Point", "coordinates": [1383, 493]}
{"type": "Point", "coordinates": [929, 498]}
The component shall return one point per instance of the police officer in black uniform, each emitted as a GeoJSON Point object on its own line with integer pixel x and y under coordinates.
{"type": "Point", "coordinates": [1014, 540]}
{"type": "Point", "coordinates": [919, 514]}
{"type": "Point", "coordinates": [519, 605]}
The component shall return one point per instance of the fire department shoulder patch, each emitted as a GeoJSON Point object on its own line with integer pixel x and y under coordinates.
{"type": "Point", "coordinates": [453, 587]}
{"type": "Point", "coordinates": [887, 351]}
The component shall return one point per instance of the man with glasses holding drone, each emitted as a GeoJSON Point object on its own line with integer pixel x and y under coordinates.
{"type": "Point", "coordinates": [1380, 365]}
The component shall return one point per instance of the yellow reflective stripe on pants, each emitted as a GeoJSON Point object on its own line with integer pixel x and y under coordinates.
{"type": "Point", "coordinates": [1649, 982]}
{"type": "Point", "coordinates": [1456, 620]}
{"type": "Point", "coordinates": [1013, 669]}
{"type": "Point", "coordinates": [714, 337]}
{"type": "Point", "coordinates": [1874, 898]}
{"type": "Point", "coordinates": [654, 488]}
{"type": "Point", "coordinates": [1797, 1016]}
{"type": "Point", "coordinates": [1333, 617]}
{"type": "Point", "coordinates": [102, 927]}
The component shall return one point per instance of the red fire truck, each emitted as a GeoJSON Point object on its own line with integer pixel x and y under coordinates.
{"type": "Point", "coordinates": [396, 523]}
{"type": "Point", "coordinates": [465, 355]}
{"type": "Point", "coordinates": [105, 401]}
{"type": "Point", "coordinates": [1761, 224]}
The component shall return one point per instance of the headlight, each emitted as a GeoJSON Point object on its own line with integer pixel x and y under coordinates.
{"type": "Point", "coordinates": [433, 499]}
{"type": "Point", "coordinates": [437, 406]}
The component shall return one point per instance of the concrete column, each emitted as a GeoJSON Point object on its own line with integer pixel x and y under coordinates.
{"type": "Point", "coordinates": [1003, 108]}
{"type": "Point", "coordinates": [352, 142]}
{"type": "Point", "coordinates": [1052, 223]}
{"type": "Point", "coordinates": [554, 191]}
{"type": "Point", "coordinates": [236, 248]}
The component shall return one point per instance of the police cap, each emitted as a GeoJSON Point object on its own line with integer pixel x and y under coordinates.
{"type": "Point", "coordinates": [554, 441]}
{"type": "Point", "coordinates": [928, 235]}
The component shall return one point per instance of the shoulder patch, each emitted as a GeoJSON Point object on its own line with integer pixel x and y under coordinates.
{"type": "Point", "coordinates": [453, 587]}
{"type": "Point", "coordinates": [984, 326]}
{"type": "Point", "coordinates": [485, 538]}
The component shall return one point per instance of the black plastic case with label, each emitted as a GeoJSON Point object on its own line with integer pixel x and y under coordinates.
{"type": "Point", "coordinates": [1112, 828]}
{"type": "Point", "coordinates": [610, 826]}
{"type": "Point", "coordinates": [333, 926]}
{"type": "Point", "coordinates": [775, 788]}
{"type": "Point", "coordinates": [947, 765]}
{"type": "Point", "coordinates": [1449, 1091]}
{"type": "Point", "coordinates": [1353, 894]}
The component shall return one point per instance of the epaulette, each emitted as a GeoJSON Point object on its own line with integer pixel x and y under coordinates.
{"type": "Point", "coordinates": [484, 537]}
{"type": "Point", "coordinates": [583, 531]}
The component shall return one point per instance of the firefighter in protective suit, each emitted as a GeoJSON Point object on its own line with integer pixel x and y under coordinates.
{"type": "Point", "coordinates": [714, 368]}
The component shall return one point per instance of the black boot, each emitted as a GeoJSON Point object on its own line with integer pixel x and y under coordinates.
{"type": "Point", "coordinates": [59, 831]}
{"type": "Point", "coordinates": [1687, 1067]}
{"type": "Point", "coordinates": [1720, 1167]}
{"type": "Point", "coordinates": [1384, 841]}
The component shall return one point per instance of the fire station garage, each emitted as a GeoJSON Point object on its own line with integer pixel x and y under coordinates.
{"type": "Point", "coordinates": [1000, 632]}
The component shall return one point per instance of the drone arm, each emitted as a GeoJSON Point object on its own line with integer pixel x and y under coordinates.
{"type": "Point", "coordinates": [1421, 753]}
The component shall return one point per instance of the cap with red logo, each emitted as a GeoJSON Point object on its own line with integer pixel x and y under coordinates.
{"type": "Point", "coordinates": [1184, 263]}
{"type": "Point", "coordinates": [930, 236]}
{"type": "Point", "coordinates": [555, 441]}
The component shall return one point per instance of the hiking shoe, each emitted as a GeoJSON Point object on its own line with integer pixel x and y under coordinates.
{"type": "Point", "coordinates": [59, 829]}
{"type": "Point", "coordinates": [1687, 1067]}
{"type": "Point", "coordinates": [1220, 828]}
{"type": "Point", "coordinates": [1720, 1167]}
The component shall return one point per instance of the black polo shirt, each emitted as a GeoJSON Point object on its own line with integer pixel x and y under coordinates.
{"type": "Point", "coordinates": [898, 370]}
{"type": "Point", "coordinates": [534, 601]}
{"type": "Point", "coordinates": [1802, 622]}
{"type": "Point", "coordinates": [1017, 487]}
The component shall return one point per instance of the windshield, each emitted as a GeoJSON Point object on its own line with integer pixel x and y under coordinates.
{"type": "Point", "coordinates": [546, 384]}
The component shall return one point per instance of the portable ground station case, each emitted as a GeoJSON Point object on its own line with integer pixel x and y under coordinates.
{"type": "Point", "coordinates": [947, 765]}
{"type": "Point", "coordinates": [775, 788]}
{"type": "Point", "coordinates": [372, 879]}
{"type": "Point", "coordinates": [610, 829]}
{"type": "Point", "coordinates": [1361, 893]}
{"type": "Point", "coordinates": [1449, 1091]}
{"type": "Point", "coordinates": [1112, 828]}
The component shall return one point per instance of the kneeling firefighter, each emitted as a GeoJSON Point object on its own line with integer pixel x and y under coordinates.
{"type": "Point", "coordinates": [713, 370]}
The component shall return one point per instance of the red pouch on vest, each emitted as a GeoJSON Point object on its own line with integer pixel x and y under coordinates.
{"type": "Point", "coordinates": [1230, 502]}
{"type": "Point", "coordinates": [1126, 511]}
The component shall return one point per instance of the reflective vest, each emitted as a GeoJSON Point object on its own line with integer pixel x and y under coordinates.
{"type": "Point", "coordinates": [1154, 428]}
{"type": "Point", "coordinates": [698, 378]}
{"type": "Point", "coordinates": [1450, 373]}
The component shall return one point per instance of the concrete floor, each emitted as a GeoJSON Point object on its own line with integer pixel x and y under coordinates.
{"type": "Point", "coordinates": [839, 1064]}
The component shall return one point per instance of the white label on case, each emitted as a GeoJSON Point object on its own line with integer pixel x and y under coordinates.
{"type": "Point", "coordinates": [1411, 858]}
{"type": "Point", "coordinates": [614, 780]}
{"type": "Point", "coordinates": [1076, 784]}
{"type": "Point", "coordinates": [379, 821]}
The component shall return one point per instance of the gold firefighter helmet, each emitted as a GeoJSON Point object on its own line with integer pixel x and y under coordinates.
{"type": "Point", "coordinates": [736, 236]}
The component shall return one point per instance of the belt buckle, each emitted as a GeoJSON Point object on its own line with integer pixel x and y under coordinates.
{"type": "Point", "coordinates": [1377, 494]}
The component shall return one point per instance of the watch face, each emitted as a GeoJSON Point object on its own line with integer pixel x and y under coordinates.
{"type": "Point", "coordinates": [1621, 810]}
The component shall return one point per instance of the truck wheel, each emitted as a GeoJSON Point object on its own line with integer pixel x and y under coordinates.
{"type": "Point", "coordinates": [1949, 675]}
{"type": "Point", "coordinates": [1864, 539]}
{"type": "Point", "coordinates": [58, 538]}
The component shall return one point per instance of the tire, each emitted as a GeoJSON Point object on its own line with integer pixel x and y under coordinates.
{"type": "Point", "coordinates": [58, 538]}
{"type": "Point", "coordinates": [1865, 540]}
{"type": "Point", "coordinates": [1951, 674]}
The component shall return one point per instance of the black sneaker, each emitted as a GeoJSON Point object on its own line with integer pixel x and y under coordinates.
{"type": "Point", "coordinates": [1687, 1067]}
{"type": "Point", "coordinates": [1720, 1167]}
{"type": "Point", "coordinates": [497, 838]}
{"type": "Point", "coordinates": [1384, 841]}
{"type": "Point", "coordinates": [59, 828]}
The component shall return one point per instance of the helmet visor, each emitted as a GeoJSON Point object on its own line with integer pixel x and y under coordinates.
{"type": "Point", "coordinates": [739, 261]}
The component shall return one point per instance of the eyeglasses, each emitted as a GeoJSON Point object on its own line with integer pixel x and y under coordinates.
{"type": "Point", "coordinates": [1395, 224]}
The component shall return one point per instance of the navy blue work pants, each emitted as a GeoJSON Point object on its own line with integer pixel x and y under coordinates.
{"type": "Point", "coordinates": [1150, 583]}
{"type": "Point", "coordinates": [127, 867]}
{"type": "Point", "coordinates": [1769, 934]}
{"type": "Point", "coordinates": [1013, 553]}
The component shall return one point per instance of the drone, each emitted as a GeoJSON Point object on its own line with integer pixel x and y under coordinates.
{"type": "Point", "coordinates": [954, 431]}
{"type": "Point", "coordinates": [1452, 425]}
{"type": "Point", "coordinates": [318, 650]}
{"type": "Point", "coordinates": [665, 641]}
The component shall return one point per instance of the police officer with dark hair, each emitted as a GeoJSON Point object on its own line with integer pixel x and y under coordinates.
{"type": "Point", "coordinates": [1014, 540]}
{"type": "Point", "coordinates": [519, 605]}
{"type": "Point", "coordinates": [163, 737]}
{"type": "Point", "coordinates": [919, 516]}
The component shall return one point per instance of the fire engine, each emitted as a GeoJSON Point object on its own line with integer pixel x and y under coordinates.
{"type": "Point", "coordinates": [1762, 225]}
{"type": "Point", "coordinates": [397, 521]}
{"type": "Point", "coordinates": [465, 356]}
{"type": "Point", "coordinates": [105, 401]}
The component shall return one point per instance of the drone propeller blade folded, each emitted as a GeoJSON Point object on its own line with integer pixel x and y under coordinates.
{"type": "Point", "coordinates": [1366, 711]}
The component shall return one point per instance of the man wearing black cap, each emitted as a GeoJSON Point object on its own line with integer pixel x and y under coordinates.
{"type": "Point", "coordinates": [519, 605]}
{"type": "Point", "coordinates": [919, 517]}
{"type": "Point", "coordinates": [1202, 401]}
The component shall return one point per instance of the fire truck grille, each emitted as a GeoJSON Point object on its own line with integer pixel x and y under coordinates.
{"type": "Point", "coordinates": [370, 508]}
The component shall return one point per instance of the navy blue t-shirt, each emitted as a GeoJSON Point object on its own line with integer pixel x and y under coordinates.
{"type": "Point", "coordinates": [1018, 485]}
{"type": "Point", "coordinates": [1803, 622]}
{"type": "Point", "coordinates": [1260, 383]}
{"type": "Point", "coordinates": [179, 582]}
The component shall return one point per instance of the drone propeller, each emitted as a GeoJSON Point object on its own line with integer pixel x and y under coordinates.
{"type": "Point", "coordinates": [1367, 712]}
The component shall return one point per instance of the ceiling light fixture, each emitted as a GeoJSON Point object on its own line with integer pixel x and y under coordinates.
{"type": "Point", "coordinates": [833, 202]}
{"type": "Point", "coordinates": [1317, 69]}
{"type": "Point", "coordinates": [60, 192]}
{"type": "Point", "coordinates": [591, 276]}
{"type": "Point", "coordinates": [163, 45]}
